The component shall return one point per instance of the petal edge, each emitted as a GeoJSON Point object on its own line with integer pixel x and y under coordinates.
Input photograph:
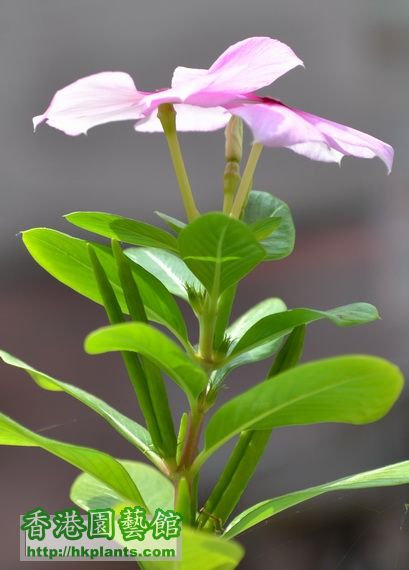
{"type": "Point", "coordinates": [93, 100]}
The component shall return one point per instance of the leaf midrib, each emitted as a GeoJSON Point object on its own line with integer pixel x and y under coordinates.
{"type": "Point", "coordinates": [278, 408]}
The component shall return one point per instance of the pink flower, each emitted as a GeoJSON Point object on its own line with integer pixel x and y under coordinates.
{"type": "Point", "coordinates": [205, 99]}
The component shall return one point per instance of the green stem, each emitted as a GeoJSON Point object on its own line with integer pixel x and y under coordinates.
{"type": "Point", "coordinates": [167, 116]}
{"type": "Point", "coordinates": [246, 180]}
{"type": "Point", "coordinates": [186, 483]}
{"type": "Point", "coordinates": [189, 453]}
{"type": "Point", "coordinates": [207, 323]}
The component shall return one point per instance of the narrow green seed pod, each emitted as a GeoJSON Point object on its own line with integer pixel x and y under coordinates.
{"type": "Point", "coordinates": [290, 353]}
{"type": "Point", "coordinates": [184, 421]}
{"type": "Point", "coordinates": [154, 381]}
{"type": "Point", "coordinates": [183, 501]}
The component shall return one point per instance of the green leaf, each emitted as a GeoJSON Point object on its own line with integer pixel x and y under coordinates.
{"type": "Point", "coordinates": [155, 346]}
{"type": "Point", "coordinates": [154, 294]}
{"type": "Point", "coordinates": [175, 224]}
{"type": "Point", "coordinates": [275, 326]}
{"type": "Point", "coordinates": [239, 328]}
{"type": "Point", "coordinates": [89, 493]}
{"type": "Point", "coordinates": [262, 205]}
{"type": "Point", "coordinates": [129, 429]}
{"type": "Point", "coordinates": [219, 250]}
{"type": "Point", "coordinates": [346, 389]}
{"type": "Point", "coordinates": [269, 306]}
{"type": "Point", "coordinates": [67, 259]}
{"type": "Point", "coordinates": [123, 229]}
{"type": "Point", "coordinates": [96, 463]}
{"type": "Point", "coordinates": [202, 551]}
{"type": "Point", "coordinates": [169, 269]}
{"type": "Point", "coordinates": [264, 228]}
{"type": "Point", "coordinates": [389, 476]}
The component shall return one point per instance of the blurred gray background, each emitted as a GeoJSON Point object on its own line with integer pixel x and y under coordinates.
{"type": "Point", "coordinates": [352, 243]}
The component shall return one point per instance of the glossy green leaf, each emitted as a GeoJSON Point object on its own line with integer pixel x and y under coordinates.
{"type": "Point", "coordinates": [155, 346]}
{"type": "Point", "coordinates": [123, 229]}
{"type": "Point", "coordinates": [264, 228]}
{"type": "Point", "coordinates": [202, 551]}
{"type": "Point", "coordinates": [239, 328]}
{"type": "Point", "coordinates": [262, 205]}
{"type": "Point", "coordinates": [96, 463]}
{"type": "Point", "coordinates": [269, 306]}
{"type": "Point", "coordinates": [275, 326]}
{"type": "Point", "coordinates": [389, 476]}
{"type": "Point", "coordinates": [219, 250]}
{"type": "Point", "coordinates": [129, 429]}
{"type": "Point", "coordinates": [346, 389]}
{"type": "Point", "coordinates": [155, 294]}
{"type": "Point", "coordinates": [89, 493]}
{"type": "Point", "coordinates": [175, 224]}
{"type": "Point", "coordinates": [169, 269]}
{"type": "Point", "coordinates": [67, 259]}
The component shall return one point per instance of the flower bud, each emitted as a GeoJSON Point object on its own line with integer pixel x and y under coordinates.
{"type": "Point", "coordinates": [197, 298]}
{"type": "Point", "coordinates": [234, 140]}
{"type": "Point", "coordinates": [233, 155]}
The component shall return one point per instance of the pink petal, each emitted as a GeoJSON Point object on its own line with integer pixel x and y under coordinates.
{"type": "Point", "coordinates": [276, 125]}
{"type": "Point", "coordinates": [188, 118]}
{"type": "Point", "coordinates": [350, 142]}
{"type": "Point", "coordinates": [183, 75]}
{"type": "Point", "coordinates": [244, 67]}
{"type": "Point", "coordinates": [193, 94]}
{"type": "Point", "coordinates": [252, 64]}
{"type": "Point", "coordinates": [93, 100]}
